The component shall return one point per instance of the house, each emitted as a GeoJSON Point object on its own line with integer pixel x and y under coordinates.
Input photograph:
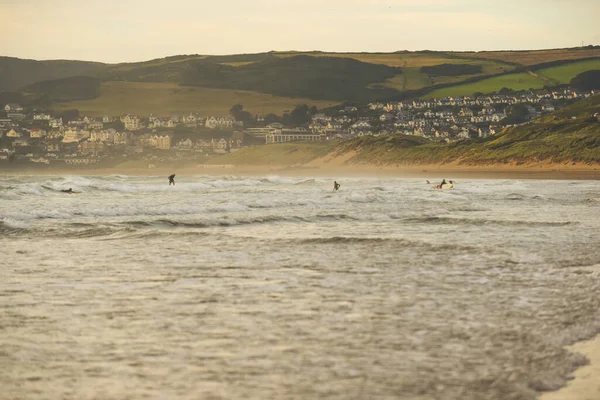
{"type": "Point", "coordinates": [89, 147]}
{"type": "Point", "coordinates": [202, 144]}
{"type": "Point", "coordinates": [56, 123]}
{"type": "Point", "coordinates": [334, 126]}
{"type": "Point", "coordinates": [362, 124]}
{"type": "Point", "coordinates": [162, 142]}
{"type": "Point", "coordinates": [95, 125]}
{"type": "Point", "coordinates": [293, 135]}
{"type": "Point", "coordinates": [13, 134]}
{"type": "Point", "coordinates": [211, 122]}
{"type": "Point", "coordinates": [53, 147]}
{"type": "Point", "coordinates": [321, 117]}
{"type": "Point", "coordinates": [318, 126]}
{"type": "Point", "coordinates": [386, 117]}
{"type": "Point", "coordinates": [37, 133]}
{"type": "Point", "coordinates": [121, 138]}
{"type": "Point", "coordinates": [13, 108]}
{"type": "Point", "coordinates": [107, 119]}
{"type": "Point", "coordinates": [190, 120]}
{"type": "Point", "coordinates": [465, 112]}
{"type": "Point", "coordinates": [184, 144]}
{"type": "Point", "coordinates": [74, 135]}
{"type": "Point", "coordinates": [103, 136]}
{"type": "Point", "coordinates": [42, 117]}
{"type": "Point", "coordinates": [548, 107]}
{"type": "Point", "coordinates": [131, 122]}
{"type": "Point", "coordinates": [219, 146]}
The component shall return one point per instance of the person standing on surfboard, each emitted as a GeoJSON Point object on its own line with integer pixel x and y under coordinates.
{"type": "Point", "coordinates": [172, 180]}
{"type": "Point", "coordinates": [336, 185]}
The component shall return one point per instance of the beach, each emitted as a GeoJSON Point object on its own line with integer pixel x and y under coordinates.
{"type": "Point", "coordinates": [586, 380]}
{"type": "Point", "coordinates": [337, 167]}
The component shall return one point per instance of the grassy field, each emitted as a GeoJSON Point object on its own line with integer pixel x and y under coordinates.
{"type": "Point", "coordinates": [143, 98]}
{"type": "Point", "coordinates": [521, 81]}
{"type": "Point", "coordinates": [564, 73]}
{"type": "Point", "coordinates": [412, 78]}
{"type": "Point", "coordinates": [533, 57]}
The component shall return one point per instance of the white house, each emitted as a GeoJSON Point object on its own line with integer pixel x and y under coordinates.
{"type": "Point", "coordinates": [131, 122]}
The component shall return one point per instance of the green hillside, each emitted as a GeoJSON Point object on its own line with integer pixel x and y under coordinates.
{"type": "Point", "coordinates": [318, 78]}
{"type": "Point", "coordinates": [288, 77]}
{"type": "Point", "coordinates": [519, 81]}
{"type": "Point", "coordinates": [563, 74]}
{"type": "Point", "coordinates": [569, 135]}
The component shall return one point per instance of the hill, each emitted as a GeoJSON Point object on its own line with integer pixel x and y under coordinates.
{"type": "Point", "coordinates": [144, 98]}
{"type": "Point", "coordinates": [533, 78]}
{"type": "Point", "coordinates": [570, 135]}
{"type": "Point", "coordinates": [65, 89]}
{"type": "Point", "coordinates": [16, 73]}
{"type": "Point", "coordinates": [317, 78]}
{"type": "Point", "coordinates": [293, 77]}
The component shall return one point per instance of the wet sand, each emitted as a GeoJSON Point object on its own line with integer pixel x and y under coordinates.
{"type": "Point", "coordinates": [586, 382]}
{"type": "Point", "coordinates": [333, 169]}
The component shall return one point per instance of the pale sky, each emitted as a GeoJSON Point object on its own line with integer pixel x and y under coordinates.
{"type": "Point", "coordinates": [137, 30]}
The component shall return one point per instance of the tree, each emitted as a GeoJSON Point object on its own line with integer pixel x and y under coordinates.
{"type": "Point", "coordinates": [588, 80]}
{"type": "Point", "coordinates": [270, 118]}
{"type": "Point", "coordinates": [299, 115]}
{"type": "Point", "coordinates": [237, 111]}
{"type": "Point", "coordinates": [516, 114]}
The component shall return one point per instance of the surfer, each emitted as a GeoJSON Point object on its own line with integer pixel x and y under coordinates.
{"type": "Point", "coordinates": [172, 180]}
{"type": "Point", "coordinates": [69, 190]}
{"type": "Point", "coordinates": [428, 181]}
{"type": "Point", "coordinates": [336, 185]}
{"type": "Point", "coordinates": [443, 183]}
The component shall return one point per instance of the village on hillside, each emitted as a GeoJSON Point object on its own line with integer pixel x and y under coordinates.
{"type": "Point", "coordinates": [33, 136]}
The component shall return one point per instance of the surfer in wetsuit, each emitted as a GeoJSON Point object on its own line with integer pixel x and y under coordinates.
{"type": "Point", "coordinates": [69, 190]}
{"type": "Point", "coordinates": [172, 180]}
{"type": "Point", "coordinates": [443, 183]}
{"type": "Point", "coordinates": [336, 185]}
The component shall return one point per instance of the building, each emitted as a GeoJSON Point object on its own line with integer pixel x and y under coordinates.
{"type": "Point", "coordinates": [293, 135]}
{"type": "Point", "coordinates": [131, 122]}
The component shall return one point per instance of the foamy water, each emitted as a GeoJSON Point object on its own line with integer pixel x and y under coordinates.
{"type": "Point", "coordinates": [280, 288]}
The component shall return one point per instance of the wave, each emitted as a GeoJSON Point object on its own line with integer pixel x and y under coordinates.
{"type": "Point", "coordinates": [125, 184]}
{"type": "Point", "coordinates": [396, 243]}
{"type": "Point", "coordinates": [481, 221]}
{"type": "Point", "coordinates": [12, 227]}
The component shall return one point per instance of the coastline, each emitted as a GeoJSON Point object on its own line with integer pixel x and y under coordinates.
{"type": "Point", "coordinates": [585, 384]}
{"type": "Point", "coordinates": [327, 168]}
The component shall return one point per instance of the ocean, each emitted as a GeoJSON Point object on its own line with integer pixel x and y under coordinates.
{"type": "Point", "coordinates": [275, 287]}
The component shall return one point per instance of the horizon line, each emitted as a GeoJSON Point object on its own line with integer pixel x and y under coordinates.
{"type": "Point", "coordinates": [584, 47]}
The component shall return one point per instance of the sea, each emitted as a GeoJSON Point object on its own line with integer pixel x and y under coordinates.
{"type": "Point", "coordinates": [277, 287]}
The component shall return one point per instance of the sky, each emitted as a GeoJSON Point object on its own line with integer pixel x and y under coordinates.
{"type": "Point", "coordinates": [115, 31]}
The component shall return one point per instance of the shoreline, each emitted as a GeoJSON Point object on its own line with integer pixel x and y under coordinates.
{"type": "Point", "coordinates": [326, 169]}
{"type": "Point", "coordinates": [585, 384]}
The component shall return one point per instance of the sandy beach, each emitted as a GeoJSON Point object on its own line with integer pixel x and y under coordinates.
{"type": "Point", "coordinates": [336, 168]}
{"type": "Point", "coordinates": [586, 382]}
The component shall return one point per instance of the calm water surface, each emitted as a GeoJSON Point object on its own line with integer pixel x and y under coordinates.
{"type": "Point", "coordinates": [280, 288]}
